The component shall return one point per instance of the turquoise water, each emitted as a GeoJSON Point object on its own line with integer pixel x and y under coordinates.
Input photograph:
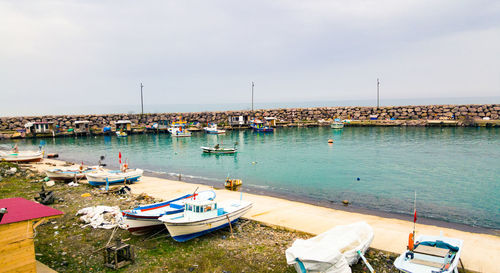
{"type": "Point", "coordinates": [455, 171]}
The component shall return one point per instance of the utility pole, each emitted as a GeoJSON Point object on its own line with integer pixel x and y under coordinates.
{"type": "Point", "coordinates": [378, 94]}
{"type": "Point", "coordinates": [252, 95]}
{"type": "Point", "coordinates": [142, 102]}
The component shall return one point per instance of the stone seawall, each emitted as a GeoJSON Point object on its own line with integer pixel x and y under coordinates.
{"type": "Point", "coordinates": [462, 113]}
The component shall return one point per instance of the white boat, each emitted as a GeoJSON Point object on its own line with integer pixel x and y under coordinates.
{"type": "Point", "coordinates": [143, 219]}
{"type": "Point", "coordinates": [103, 177]}
{"type": "Point", "coordinates": [217, 149]}
{"type": "Point", "coordinates": [202, 217]}
{"type": "Point", "coordinates": [21, 156]}
{"type": "Point", "coordinates": [337, 125]}
{"type": "Point", "coordinates": [332, 251]}
{"type": "Point", "coordinates": [212, 129]}
{"type": "Point", "coordinates": [69, 173]}
{"type": "Point", "coordinates": [431, 254]}
{"type": "Point", "coordinates": [178, 129]}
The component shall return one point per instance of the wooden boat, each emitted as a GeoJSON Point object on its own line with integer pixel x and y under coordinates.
{"type": "Point", "coordinates": [217, 149]}
{"type": "Point", "coordinates": [258, 126]}
{"type": "Point", "coordinates": [331, 251]}
{"type": "Point", "coordinates": [202, 217]}
{"type": "Point", "coordinates": [337, 125]}
{"type": "Point", "coordinates": [431, 254]}
{"type": "Point", "coordinates": [232, 184]}
{"type": "Point", "coordinates": [212, 129]}
{"type": "Point", "coordinates": [69, 173]}
{"type": "Point", "coordinates": [103, 177]}
{"type": "Point", "coordinates": [143, 219]}
{"type": "Point", "coordinates": [121, 134]}
{"type": "Point", "coordinates": [21, 156]}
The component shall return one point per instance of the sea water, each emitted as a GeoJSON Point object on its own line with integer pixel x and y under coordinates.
{"type": "Point", "coordinates": [454, 171]}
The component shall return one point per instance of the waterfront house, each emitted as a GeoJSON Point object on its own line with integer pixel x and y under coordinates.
{"type": "Point", "coordinates": [238, 120]}
{"type": "Point", "coordinates": [270, 121]}
{"type": "Point", "coordinates": [123, 125]}
{"type": "Point", "coordinates": [18, 220]}
{"type": "Point", "coordinates": [39, 127]}
{"type": "Point", "coordinates": [82, 127]}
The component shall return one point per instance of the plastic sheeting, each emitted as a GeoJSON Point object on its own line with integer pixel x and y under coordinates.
{"type": "Point", "coordinates": [102, 217]}
{"type": "Point", "coordinates": [332, 251]}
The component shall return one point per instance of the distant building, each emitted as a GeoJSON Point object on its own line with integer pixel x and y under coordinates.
{"type": "Point", "coordinates": [39, 127]}
{"type": "Point", "coordinates": [238, 120]}
{"type": "Point", "coordinates": [271, 121]}
{"type": "Point", "coordinates": [82, 126]}
{"type": "Point", "coordinates": [123, 125]}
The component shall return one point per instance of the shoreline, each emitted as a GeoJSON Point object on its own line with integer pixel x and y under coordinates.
{"type": "Point", "coordinates": [390, 234]}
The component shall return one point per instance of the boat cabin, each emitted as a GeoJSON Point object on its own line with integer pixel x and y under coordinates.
{"type": "Point", "coordinates": [196, 209]}
{"type": "Point", "coordinates": [82, 126]}
{"type": "Point", "coordinates": [271, 121]}
{"type": "Point", "coordinates": [39, 127]}
{"type": "Point", "coordinates": [163, 124]}
{"type": "Point", "coordinates": [123, 125]}
{"type": "Point", "coordinates": [238, 120]}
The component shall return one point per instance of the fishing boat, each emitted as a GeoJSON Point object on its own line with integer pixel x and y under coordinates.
{"type": "Point", "coordinates": [431, 254]}
{"type": "Point", "coordinates": [21, 156]}
{"type": "Point", "coordinates": [121, 134]}
{"type": "Point", "coordinates": [337, 125]}
{"type": "Point", "coordinates": [232, 184]}
{"type": "Point", "coordinates": [331, 251]}
{"type": "Point", "coordinates": [103, 177]}
{"type": "Point", "coordinates": [212, 129]}
{"type": "Point", "coordinates": [69, 173]}
{"type": "Point", "coordinates": [217, 149]}
{"type": "Point", "coordinates": [143, 219]}
{"type": "Point", "coordinates": [202, 217]}
{"type": "Point", "coordinates": [258, 126]}
{"type": "Point", "coordinates": [178, 129]}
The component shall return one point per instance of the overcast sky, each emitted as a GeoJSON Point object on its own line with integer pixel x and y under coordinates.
{"type": "Point", "coordinates": [73, 53]}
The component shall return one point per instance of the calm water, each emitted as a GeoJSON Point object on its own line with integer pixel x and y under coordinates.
{"type": "Point", "coordinates": [455, 171]}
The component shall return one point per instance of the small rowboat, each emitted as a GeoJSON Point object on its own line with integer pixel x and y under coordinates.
{"type": "Point", "coordinates": [102, 177]}
{"type": "Point", "coordinates": [218, 150]}
{"type": "Point", "coordinates": [69, 173]}
{"type": "Point", "coordinates": [212, 129]}
{"type": "Point", "coordinates": [202, 217]}
{"type": "Point", "coordinates": [431, 254]}
{"type": "Point", "coordinates": [337, 125]}
{"type": "Point", "coordinates": [121, 134]}
{"type": "Point", "coordinates": [232, 184]}
{"type": "Point", "coordinates": [21, 156]}
{"type": "Point", "coordinates": [143, 219]}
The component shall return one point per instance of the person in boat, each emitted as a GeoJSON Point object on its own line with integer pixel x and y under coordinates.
{"type": "Point", "coordinates": [217, 146]}
{"type": "Point", "coordinates": [15, 149]}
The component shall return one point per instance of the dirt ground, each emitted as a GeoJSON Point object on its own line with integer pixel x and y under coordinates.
{"type": "Point", "coordinates": [65, 245]}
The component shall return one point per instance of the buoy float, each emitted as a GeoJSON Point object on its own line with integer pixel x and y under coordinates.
{"type": "Point", "coordinates": [358, 178]}
{"type": "Point", "coordinates": [330, 140]}
{"type": "Point", "coordinates": [345, 202]}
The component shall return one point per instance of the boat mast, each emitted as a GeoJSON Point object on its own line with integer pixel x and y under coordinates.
{"type": "Point", "coordinates": [378, 98]}
{"type": "Point", "coordinates": [252, 95]}
{"type": "Point", "coordinates": [142, 103]}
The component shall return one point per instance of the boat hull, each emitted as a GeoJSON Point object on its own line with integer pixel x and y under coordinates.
{"type": "Point", "coordinates": [337, 126]}
{"type": "Point", "coordinates": [22, 157]}
{"type": "Point", "coordinates": [57, 176]}
{"type": "Point", "coordinates": [103, 178]}
{"type": "Point", "coordinates": [182, 232]}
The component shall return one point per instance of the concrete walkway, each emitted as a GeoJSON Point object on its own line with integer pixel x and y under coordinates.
{"type": "Point", "coordinates": [480, 252]}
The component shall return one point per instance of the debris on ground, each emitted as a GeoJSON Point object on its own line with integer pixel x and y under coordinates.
{"type": "Point", "coordinates": [105, 217]}
{"type": "Point", "coordinates": [45, 197]}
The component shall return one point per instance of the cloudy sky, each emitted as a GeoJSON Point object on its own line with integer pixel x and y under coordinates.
{"type": "Point", "coordinates": [67, 54]}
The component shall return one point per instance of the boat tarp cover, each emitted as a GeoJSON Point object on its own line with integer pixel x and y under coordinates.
{"type": "Point", "coordinates": [440, 244]}
{"type": "Point", "coordinates": [332, 251]}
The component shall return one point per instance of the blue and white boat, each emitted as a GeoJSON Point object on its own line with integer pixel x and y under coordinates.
{"type": "Point", "coordinates": [212, 129]}
{"type": "Point", "coordinates": [143, 219]}
{"type": "Point", "coordinates": [103, 177]}
{"type": "Point", "coordinates": [258, 126]}
{"type": "Point", "coordinates": [69, 173]}
{"type": "Point", "coordinates": [202, 217]}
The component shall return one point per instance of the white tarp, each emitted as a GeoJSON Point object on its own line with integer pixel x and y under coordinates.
{"type": "Point", "coordinates": [332, 251]}
{"type": "Point", "coordinates": [102, 217]}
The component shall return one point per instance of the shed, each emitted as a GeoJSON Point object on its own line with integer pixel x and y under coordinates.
{"type": "Point", "coordinates": [39, 127]}
{"type": "Point", "coordinates": [82, 126]}
{"type": "Point", "coordinates": [238, 120]}
{"type": "Point", "coordinates": [271, 121]}
{"type": "Point", "coordinates": [123, 125]}
{"type": "Point", "coordinates": [17, 248]}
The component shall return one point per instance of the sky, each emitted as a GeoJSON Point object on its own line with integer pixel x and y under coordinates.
{"type": "Point", "coordinates": [63, 56]}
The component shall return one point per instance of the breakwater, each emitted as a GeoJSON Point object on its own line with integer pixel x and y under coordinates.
{"type": "Point", "coordinates": [463, 114]}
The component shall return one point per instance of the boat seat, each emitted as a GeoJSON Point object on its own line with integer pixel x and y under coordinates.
{"type": "Point", "coordinates": [433, 251]}
{"type": "Point", "coordinates": [427, 263]}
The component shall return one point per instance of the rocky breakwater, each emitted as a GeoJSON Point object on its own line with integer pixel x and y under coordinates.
{"type": "Point", "coordinates": [464, 114]}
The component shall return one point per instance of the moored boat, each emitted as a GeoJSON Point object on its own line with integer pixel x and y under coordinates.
{"type": "Point", "coordinates": [202, 217]}
{"type": "Point", "coordinates": [337, 125]}
{"type": "Point", "coordinates": [69, 173]}
{"type": "Point", "coordinates": [178, 129]}
{"type": "Point", "coordinates": [103, 177]}
{"type": "Point", "coordinates": [121, 134]}
{"type": "Point", "coordinates": [142, 219]}
{"type": "Point", "coordinates": [212, 129]}
{"type": "Point", "coordinates": [258, 126]}
{"type": "Point", "coordinates": [21, 156]}
{"type": "Point", "coordinates": [431, 254]}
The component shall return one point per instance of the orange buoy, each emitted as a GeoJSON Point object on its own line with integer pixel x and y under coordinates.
{"type": "Point", "coordinates": [330, 140]}
{"type": "Point", "coordinates": [410, 242]}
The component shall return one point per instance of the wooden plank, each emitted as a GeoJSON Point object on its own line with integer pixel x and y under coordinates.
{"type": "Point", "coordinates": [15, 232]}
{"type": "Point", "coordinates": [427, 263]}
{"type": "Point", "coordinates": [433, 251]}
{"type": "Point", "coordinates": [28, 268]}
